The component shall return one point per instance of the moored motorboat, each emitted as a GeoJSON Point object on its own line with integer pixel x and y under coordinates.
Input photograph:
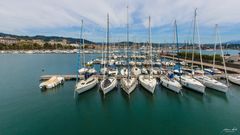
{"type": "Point", "coordinates": [52, 82]}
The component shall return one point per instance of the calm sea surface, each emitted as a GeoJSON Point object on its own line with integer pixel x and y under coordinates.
{"type": "Point", "coordinates": [26, 110]}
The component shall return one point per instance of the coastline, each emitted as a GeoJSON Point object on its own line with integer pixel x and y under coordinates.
{"type": "Point", "coordinates": [47, 51]}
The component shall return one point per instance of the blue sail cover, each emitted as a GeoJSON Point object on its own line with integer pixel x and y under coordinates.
{"type": "Point", "coordinates": [87, 75]}
{"type": "Point", "coordinates": [171, 75]}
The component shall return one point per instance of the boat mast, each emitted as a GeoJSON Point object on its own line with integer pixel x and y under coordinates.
{"type": "Point", "coordinates": [79, 51]}
{"type": "Point", "coordinates": [176, 36]}
{"type": "Point", "coordinates": [199, 46]}
{"type": "Point", "coordinates": [128, 45]}
{"type": "Point", "coordinates": [224, 64]}
{"type": "Point", "coordinates": [186, 51]}
{"type": "Point", "coordinates": [150, 45]}
{"type": "Point", "coordinates": [174, 41]}
{"type": "Point", "coordinates": [193, 38]}
{"type": "Point", "coordinates": [215, 47]}
{"type": "Point", "coordinates": [107, 40]}
{"type": "Point", "coordinates": [84, 62]}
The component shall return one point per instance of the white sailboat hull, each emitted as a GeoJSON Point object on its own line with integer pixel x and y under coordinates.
{"type": "Point", "coordinates": [129, 85]}
{"type": "Point", "coordinates": [212, 83]}
{"type": "Point", "coordinates": [85, 85]}
{"type": "Point", "coordinates": [148, 83]}
{"type": "Point", "coordinates": [173, 85]}
{"type": "Point", "coordinates": [234, 79]}
{"type": "Point", "coordinates": [111, 86]}
{"type": "Point", "coordinates": [192, 84]}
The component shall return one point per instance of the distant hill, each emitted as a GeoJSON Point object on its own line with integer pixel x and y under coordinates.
{"type": "Point", "coordinates": [233, 42]}
{"type": "Point", "coordinates": [46, 38]}
{"type": "Point", "coordinates": [236, 43]}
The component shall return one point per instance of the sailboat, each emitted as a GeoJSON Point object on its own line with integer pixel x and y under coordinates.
{"type": "Point", "coordinates": [128, 83]}
{"type": "Point", "coordinates": [209, 81]}
{"type": "Point", "coordinates": [168, 80]}
{"type": "Point", "coordinates": [89, 69]}
{"type": "Point", "coordinates": [148, 81]}
{"type": "Point", "coordinates": [213, 70]}
{"type": "Point", "coordinates": [234, 79]}
{"type": "Point", "coordinates": [109, 82]}
{"type": "Point", "coordinates": [89, 81]}
{"type": "Point", "coordinates": [187, 80]}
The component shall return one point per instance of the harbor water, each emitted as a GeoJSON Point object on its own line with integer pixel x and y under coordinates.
{"type": "Point", "coordinates": [26, 110]}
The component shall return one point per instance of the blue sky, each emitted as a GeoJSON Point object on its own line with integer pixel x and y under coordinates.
{"type": "Point", "coordinates": [63, 18]}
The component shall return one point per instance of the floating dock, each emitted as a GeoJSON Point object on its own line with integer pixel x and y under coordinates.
{"type": "Point", "coordinates": [229, 69]}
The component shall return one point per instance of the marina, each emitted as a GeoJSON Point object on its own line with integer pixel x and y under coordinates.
{"type": "Point", "coordinates": [173, 74]}
{"type": "Point", "coordinates": [44, 108]}
{"type": "Point", "coordinates": [119, 67]}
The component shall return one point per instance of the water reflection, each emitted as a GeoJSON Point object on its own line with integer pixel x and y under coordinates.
{"type": "Point", "coordinates": [51, 91]}
{"type": "Point", "coordinates": [148, 95]}
{"type": "Point", "coordinates": [188, 93]}
{"type": "Point", "coordinates": [126, 96]}
{"type": "Point", "coordinates": [85, 96]}
{"type": "Point", "coordinates": [105, 98]}
{"type": "Point", "coordinates": [171, 94]}
{"type": "Point", "coordinates": [214, 93]}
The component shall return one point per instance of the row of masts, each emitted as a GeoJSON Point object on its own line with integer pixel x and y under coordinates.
{"type": "Point", "coordinates": [196, 81]}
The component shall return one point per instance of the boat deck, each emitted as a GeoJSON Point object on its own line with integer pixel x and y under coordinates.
{"type": "Point", "coordinates": [73, 77]}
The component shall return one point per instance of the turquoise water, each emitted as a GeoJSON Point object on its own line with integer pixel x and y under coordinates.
{"type": "Point", "coordinates": [26, 110]}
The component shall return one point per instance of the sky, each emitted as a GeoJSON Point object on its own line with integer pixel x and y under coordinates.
{"type": "Point", "coordinates": [63, 18]}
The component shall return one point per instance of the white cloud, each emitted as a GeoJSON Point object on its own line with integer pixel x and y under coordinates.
{"type": "Point", "coordinates": [21, 15]}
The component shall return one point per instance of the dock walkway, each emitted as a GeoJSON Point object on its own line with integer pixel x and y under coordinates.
{"type": "Point", "coordinates": [229, 69]}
